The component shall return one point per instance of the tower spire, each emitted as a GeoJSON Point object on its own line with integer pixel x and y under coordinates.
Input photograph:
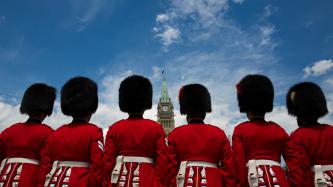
{"type": "Point", "coordinates": [164, 95]}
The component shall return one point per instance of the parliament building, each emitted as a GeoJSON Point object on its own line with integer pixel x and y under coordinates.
{"type": "Point", "coordinates": [165, 114]}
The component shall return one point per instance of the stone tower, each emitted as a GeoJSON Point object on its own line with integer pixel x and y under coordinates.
{"type": "Point", "coordinates": [165, 115]}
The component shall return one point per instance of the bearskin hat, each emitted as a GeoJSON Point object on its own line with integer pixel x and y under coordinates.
{"type": "Point", "coordinates": [255, 93]}
{"type": "Point", "coordinates": [79, 97]}
{"type": "Point", "coordinates": [135, 94]}
{"type": "Point", "coordinates": [306, 99]}
{"type": "Point", "coordinates": [37, 98]}
{"type": "Point", "coordinates": [194, 98]}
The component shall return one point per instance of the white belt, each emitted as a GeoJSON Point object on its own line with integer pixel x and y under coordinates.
{"type": "Point", "coordinates": [319, 178]}
{"type": "Point", "coordinates": [73, 164]}
{"type": "Point", "coordinates": [252, 171]}
{"type": "Point", "coordinates": [185, 164]}
{"type": "Point", "coordinates": [18, 160]}
{"type": "Point", "coordinates": [125, 159]}
{"type": "Point", "coordinates": [57, 164]}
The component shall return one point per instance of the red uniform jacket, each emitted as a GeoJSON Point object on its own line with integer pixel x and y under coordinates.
{"type": "Point", "coordinates": [137, 137]}
{"type": "Point", "coordinates": [259, 140]}
{"type": "Point", "coordinates": [81, 142]}
{"type": "Point", "coordinates": [309, 146]}
{"type": "Point", "coordinates": [22, 140]}
{"type": "Point", "coordinates": [201, 142]}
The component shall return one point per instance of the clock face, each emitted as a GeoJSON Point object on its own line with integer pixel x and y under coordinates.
{"type": "Point", "coordinates": [165, 108]}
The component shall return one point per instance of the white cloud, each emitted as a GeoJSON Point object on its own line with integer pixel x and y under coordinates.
{"type": "Point", "coordinates": [183, 15]}
{"type": "Point", "coordinates": [205, 21]}
{"type": "Point", "coordinates": [89, 13]}
{"type": "Point", "coordinates": [157, 72]}
{"type": "Point", "coordinates": [330, 81]}
{"type": "Point", "coordinates": [268, 12]}
{"type": "Point", "coordinates": [162, 18]}
{"type": "Point", "coordinates": [267, 32]}
{"type": "Point", "coordinates": [9, 115]}
{"type": "Point", "coordinates": [204, 12]}
{"type": "Point", "coordinates": [280, 116]}
{"type": "Point", "coordinates": [84, 12]}
{"type": "Point", "coordinates": [328, 119]}
{"type": "Point", "coordinates": [318, 68]}
{"type": "Point", "coordinates": [168, 35]}
{"type": "Point", "coordinates": [266, 29]}
{"type": "Point", "coordinates": [238, 1]}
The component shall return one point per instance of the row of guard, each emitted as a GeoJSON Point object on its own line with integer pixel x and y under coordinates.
{"type": "Point", "coordinates": [136, 151]}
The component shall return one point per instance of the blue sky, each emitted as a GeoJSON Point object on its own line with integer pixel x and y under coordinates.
{"type": "Point", "coordinates": [213, 42]}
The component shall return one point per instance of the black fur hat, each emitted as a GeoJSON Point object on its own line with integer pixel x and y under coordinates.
{"type": "Point", "coordinates": [306, 99]}
{"type": "Point", "coordinates": [37, 98]}
{"type": "Point", "coordinates": [79, 97]}
{"type": "Point", "coordinates": [193, 99]}
{"type": "Point", "coordinates": [255, 93]}
{"type": "Point", "coordinates": [135, 94]}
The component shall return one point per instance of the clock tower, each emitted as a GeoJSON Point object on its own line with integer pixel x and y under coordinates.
{"type": "Point", "coordinates": [165, 115]}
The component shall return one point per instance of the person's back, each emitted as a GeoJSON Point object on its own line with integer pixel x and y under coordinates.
{"type": "Point", "coordinates": [24, 139]}
{"type": "Point", "coordinates": [73, 153]}
{"type": "Point", "coordinates": [318, 140]}
{"type": "Point", "coordinates": [21, 143]}
{"type": "Point", "coordinates": [136, 136]}
{"type": "Point", "coordinates": [135, 148]}
{"type": "Point", "coordinates": [309, 154]}
{"type": "Point", "coordinates": [79, 142]}
{"type": "Point", "coordinates": [198, 142]}
{"type": "Point", "coordinates": [258, 137]}
{"type": "Point", "coordinates": [200, 154]}
{"type": "Point", "coordinates": [258, 144]}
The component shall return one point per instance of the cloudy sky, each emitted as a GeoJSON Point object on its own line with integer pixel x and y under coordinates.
{"type": "Point", "coordinates": [212, 42]}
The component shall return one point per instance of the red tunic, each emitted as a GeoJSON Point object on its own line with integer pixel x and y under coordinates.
{"type": "Point", "coordinates": [137, 137]}
{"type": "Point", "coordinates": [24, 140]}
{"type": "Point", "coordinates": [259, 140]}
{"type": "Point", "coordinates": [309, 146]}
{"type": "Point", "coordinates": [206, 143]}
{"type": "Point", "coordinates": [81, 142]}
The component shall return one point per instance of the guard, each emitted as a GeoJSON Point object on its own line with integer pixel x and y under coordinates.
{"type": "Point", "coordinates": [21, 143]}
{"type": "Point", "coordinates": [258, 144]}
{"type": "Point", "coordinates": [200, 153]}
{"type": "Point", "coordinates": [135, 149]}
{"type": "Point", "coordinates": [310, 153]}
{"type": "Point", "coordinates": [73, 153]}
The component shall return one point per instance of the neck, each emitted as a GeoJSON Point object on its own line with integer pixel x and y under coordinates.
{"type": "Point", "coordinates": [36, 118]}
{"type": "Point", "coordinates": [85, 119]}
{"type": "Point", "coordinates": [302, 122]}
{"type": "Point", "coordinates": [135, 115]}
{"type": "Point", "coordinates": [256, 116]}
{"type": "Point", "coordinates": [195, 118]}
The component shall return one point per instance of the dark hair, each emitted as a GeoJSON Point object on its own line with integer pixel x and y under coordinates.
{"type": "Point", "coordinates": [38, 98]}
{"type": "Point", "coordinates": [135, 94]}
{"type": "Point", "coordinates": [79, 97]}
{"type": "Point", "coordinates": [255, 93]}
{"type": "Point", "coordinates": [194, 99]}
